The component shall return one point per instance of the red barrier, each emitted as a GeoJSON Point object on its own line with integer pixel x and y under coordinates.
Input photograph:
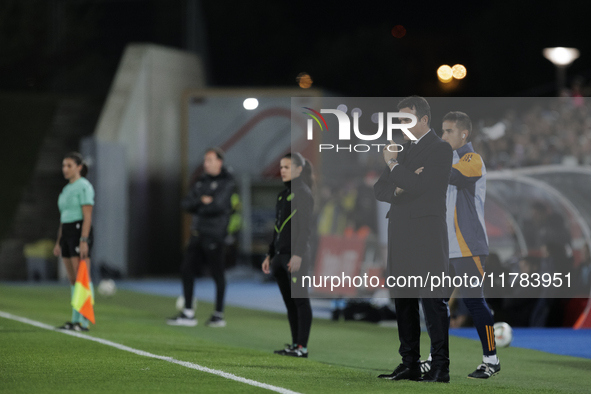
{"type": "Point", "coordinates": [339, 257]}
{"type": "Point", "coordinates": [584, 320]}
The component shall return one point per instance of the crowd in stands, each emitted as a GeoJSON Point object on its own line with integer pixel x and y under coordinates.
{"type": "Point", "coordinates": [552, 131]}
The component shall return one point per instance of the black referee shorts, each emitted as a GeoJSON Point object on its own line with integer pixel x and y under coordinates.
{"type": "Point", "coordinates": [70, 241]}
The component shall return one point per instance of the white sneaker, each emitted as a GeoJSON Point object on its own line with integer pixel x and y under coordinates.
{"type": "Point", "coordinates": [485, 371]}
{"type": "Point", "coordinates": [425, 366]}
{"type": "Point", "coordinates": [216, 321]}
{"type": "Point", "coordinates": [297, 352]}
{"type": "Point", "coordinates": [182, 320]}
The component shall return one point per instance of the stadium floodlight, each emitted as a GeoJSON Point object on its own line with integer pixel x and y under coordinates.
{"type": "Point", "coordinates": [444, 73]}
{"type": "Point", "coordinates": [561, 57]}
{"type": "Point", "coordinates": [251, 103]}
{"type": "Point", "coordinates": [458, 71]}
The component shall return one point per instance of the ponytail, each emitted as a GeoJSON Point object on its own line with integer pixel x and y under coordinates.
{"type": "Point", "coordinates": [79, 160]}
{"type": "Point", "coordinates": [307, 174]}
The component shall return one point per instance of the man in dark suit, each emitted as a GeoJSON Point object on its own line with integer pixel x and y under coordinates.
{"type": "Point", "coordinates": [415, 184]}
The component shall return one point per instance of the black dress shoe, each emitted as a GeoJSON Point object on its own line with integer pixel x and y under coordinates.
{"type": "Point", "coordinates": [402, 372]}
{"type": "Point", "coordinates": [436, 374]}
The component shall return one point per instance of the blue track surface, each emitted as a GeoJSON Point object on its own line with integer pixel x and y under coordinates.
{"type": "Point", "coordinates": [265, 296]}
{"type": "Point", "coordinates": [565, 341]}
{"type": "Point", "coordinates": [243, 293]}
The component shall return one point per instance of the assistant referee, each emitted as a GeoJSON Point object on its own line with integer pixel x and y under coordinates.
{"type": "Point", "coordinates": [74, 239]}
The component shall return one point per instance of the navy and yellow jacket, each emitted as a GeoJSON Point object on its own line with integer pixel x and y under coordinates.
{"type": "Point", "coordinates": [466, 193]}
{"type": "Point", "coordinates": [293, 220]}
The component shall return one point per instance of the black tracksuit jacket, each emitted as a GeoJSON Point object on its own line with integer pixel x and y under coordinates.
{"type": "Point", "coordinates": [293, 220]}
{"type": "Point", "coordinates": [211, 220]}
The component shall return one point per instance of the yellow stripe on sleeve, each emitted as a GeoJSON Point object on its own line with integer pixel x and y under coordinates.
{"type": "Point", "coordinates": [470, 165]}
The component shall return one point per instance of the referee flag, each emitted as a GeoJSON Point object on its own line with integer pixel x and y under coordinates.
{"type": "Point", "coordinates": [82, 299]}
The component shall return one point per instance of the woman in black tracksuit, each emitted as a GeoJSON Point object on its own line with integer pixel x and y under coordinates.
{"type": "Point", "coordinates": [289, 252]}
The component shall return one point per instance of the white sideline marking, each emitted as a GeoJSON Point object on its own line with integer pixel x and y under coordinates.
{"type": "Point", "coordinates": [146, 354]}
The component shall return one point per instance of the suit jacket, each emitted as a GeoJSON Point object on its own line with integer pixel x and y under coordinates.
{"type": "Point", "coordinates": [417, 230]}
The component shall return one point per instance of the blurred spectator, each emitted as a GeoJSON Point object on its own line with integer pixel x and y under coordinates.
{"type": "Point", "coordinates": [336, 213]}
{"type": "Point", "coordinates": [554, 239]}
{"type": "Point", "coordinates": [559, 133]}
{"type": "Point", "coordinates": [494, 294]}
{"type": "Point", "coordinates": [547, 233]}
{"type": "Point", "coordinates": [523, 307]}
{"type": "Point", "coordinates": [582, 273]}
{"type": "Point", "coordinates": [364, 213]}
{"type": "Point", "coordinates": [460, 316]}
{"type": "Point", "coordinates": [576, 91]}
{"type": "Point", "coordinates": [350, 209]}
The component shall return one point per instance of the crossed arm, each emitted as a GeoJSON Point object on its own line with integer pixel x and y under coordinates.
{"type": "Point", "coordinates": [434, 173]}
{"type": "Point", "coordinates": [207, 205]}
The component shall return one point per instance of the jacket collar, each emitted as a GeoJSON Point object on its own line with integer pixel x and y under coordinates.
{"type": "Point", "coordinates": [465, 149]}
{"type": "Point", "coordinates": [223, 173]}
{"type": "Point", "coordinates": [294, 183]}
{"type": "Point", "coordinates": [423, 142]}
{"type": "Point", "coordinates": [424, 136]}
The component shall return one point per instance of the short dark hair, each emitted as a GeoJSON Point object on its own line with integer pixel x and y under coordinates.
{"type": "Point", "coordinates": [218, 152]}
{"type": "Point", "coordinates": [419, 104]}
{"type": "Point", "coordinates": [462, 120]}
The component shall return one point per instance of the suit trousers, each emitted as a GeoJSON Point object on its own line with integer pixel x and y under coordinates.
{"type": "Point", "coordinates": [409, 330]}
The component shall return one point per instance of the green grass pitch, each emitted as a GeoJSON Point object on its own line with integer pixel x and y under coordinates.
{"type": "Point", "coordinates": [345, 357]}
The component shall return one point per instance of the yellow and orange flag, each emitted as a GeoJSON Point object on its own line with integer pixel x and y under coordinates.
{"type": "Point", "coordinates": [82, 299]}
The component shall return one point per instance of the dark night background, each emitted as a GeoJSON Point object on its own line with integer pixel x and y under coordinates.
{"type": "Point", "coordinates": [74, 46]}
{"type": "Point", "coordinates": [59, 58]}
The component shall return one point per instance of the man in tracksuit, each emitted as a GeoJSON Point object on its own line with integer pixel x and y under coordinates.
{"type": "Point", "coordinates": [210, 202]}
{"type": "Point", "coordinates": [468, 242]}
